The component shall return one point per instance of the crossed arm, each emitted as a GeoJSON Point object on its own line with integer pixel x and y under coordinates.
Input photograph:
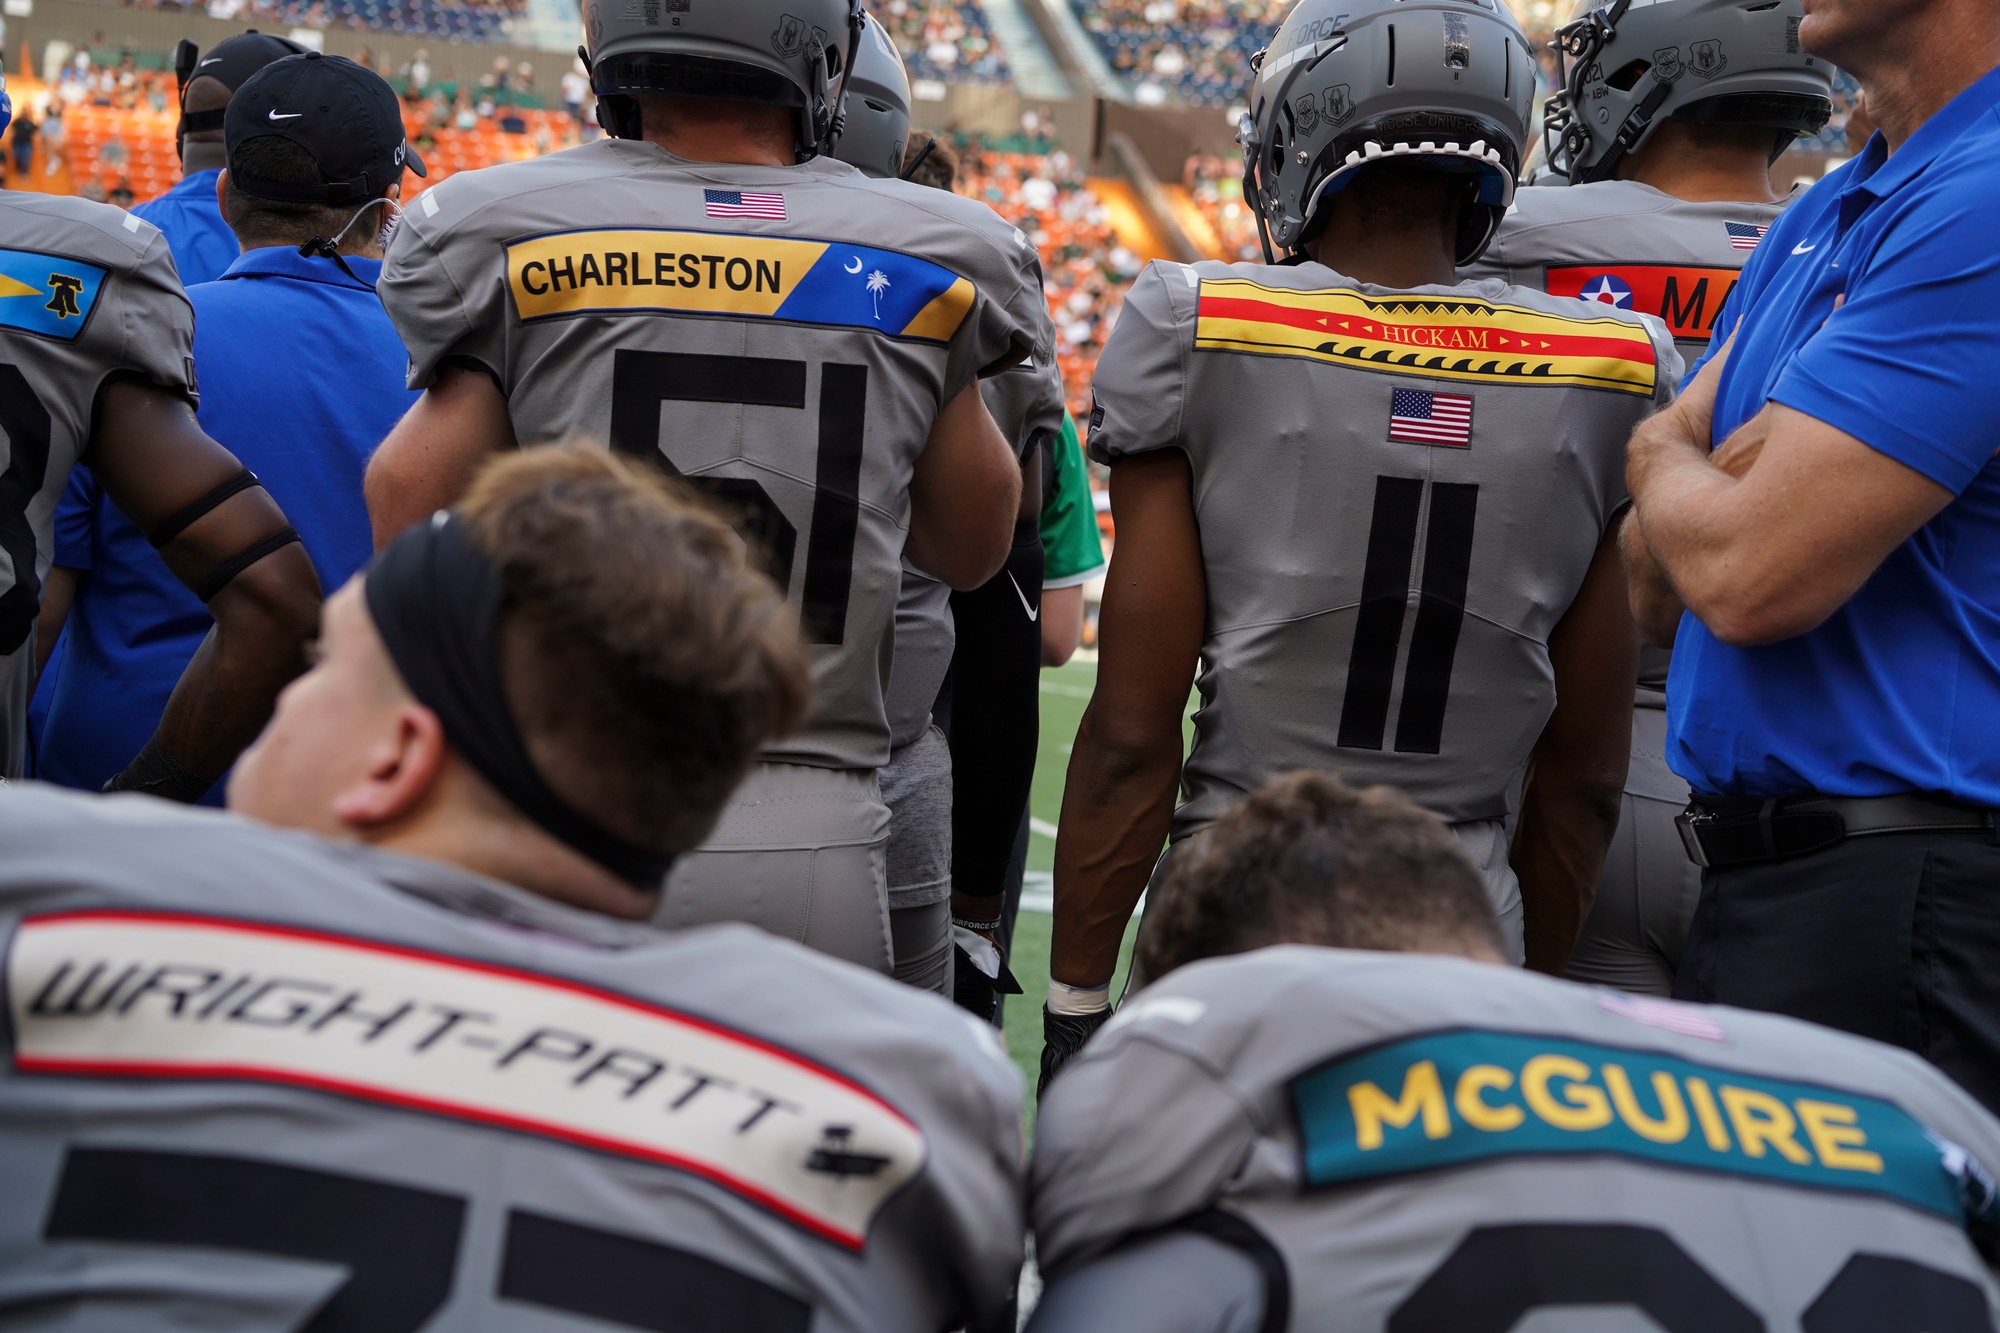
{"type": "Point", "coordinates": [1771, 534]}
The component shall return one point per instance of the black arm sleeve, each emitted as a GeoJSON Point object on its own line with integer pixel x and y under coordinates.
{"type": "Point", "coordinates": [995, 715]}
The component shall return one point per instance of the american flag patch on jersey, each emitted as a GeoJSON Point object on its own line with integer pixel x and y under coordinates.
{"type": "Point", "coordinates": [1418, 417]}
{"type": "Point", "coordinates": [751, 204]}
{"type": "Point", "coordinates": [1745, 235]}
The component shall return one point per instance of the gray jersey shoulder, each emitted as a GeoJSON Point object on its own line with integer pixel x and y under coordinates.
{"type": "Point", "coordinates": [1333, 430]}
{"type": "Point", "coordinates": [1627, 245]}
{"type": "Point", "coordinates": [1389, 1105]}
{"type": "Point", "coordinates": [87, 292]}
{"type": "Point", "coordinates": [443, 1056]}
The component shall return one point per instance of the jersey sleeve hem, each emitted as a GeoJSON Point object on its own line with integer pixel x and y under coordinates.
{"type": "Point", "coordinates": [1076, 580]}
{"type": "Point", "coordinates": [1802, 391]}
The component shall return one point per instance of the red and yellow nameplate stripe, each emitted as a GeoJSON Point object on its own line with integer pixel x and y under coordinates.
{"type": "Point", "coordinates": [1471, 340]}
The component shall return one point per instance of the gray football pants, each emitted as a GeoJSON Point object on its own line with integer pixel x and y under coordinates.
{"type": "Point", "coordinates": [798, 852]}
{"type": "Point", "coordinates": [916, 786]}
{"type": "Point", "coordinates": [1646, 897]}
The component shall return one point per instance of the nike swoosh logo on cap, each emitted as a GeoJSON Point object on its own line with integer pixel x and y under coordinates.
{"type": "Point", "coordinates": [289, 115]}
{"type": "Point", "coordinates": [1034, 612]}
{"type": "Point", "coordinates": [210, 61]}
{"type": "Point", "coordinates": [1802, 247]}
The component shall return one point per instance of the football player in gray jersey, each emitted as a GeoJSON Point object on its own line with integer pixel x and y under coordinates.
{"type": "Point", "coordinates": [1418, 1141]}
{"type": "Point", "coordinates": [1379, 509]}
{"type": "Point", "coordinates": [415, 1060]}
{"type": "Point", "coordinates": [1027, 404]}
{"type": "Point", "coordinates": [97, 366]}
{"type": "Point", "coordinates": [708, 289]}
{"type": "Point", "coordinates": [1662, 204]}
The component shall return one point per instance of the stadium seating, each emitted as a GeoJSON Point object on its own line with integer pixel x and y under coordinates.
{"type": "Point", "coordinates": [453, 20]}
{"type": "Point", "coordinates": [947, 40]}
{"type": "Point", "coordinates": [1197, 51]}
{"type": "Point", "coordinates": [1085, 269]}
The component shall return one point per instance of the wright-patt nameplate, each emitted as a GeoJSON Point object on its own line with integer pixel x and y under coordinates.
{"type": "Point", "coordinates": [146, 995]}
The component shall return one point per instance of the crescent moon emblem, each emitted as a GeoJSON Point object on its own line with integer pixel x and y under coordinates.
{"type": "Point", "coordinates": [857, 265]}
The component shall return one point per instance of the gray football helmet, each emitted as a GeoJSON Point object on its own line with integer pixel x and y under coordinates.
{"type": "Point", "coordinates": [1634, 63]}
{"type": "Point", "coordinates": [1348, 82]}
{"type": "Point", "coordinates": [875, 112]}
{"type": "Point", "coordinates": [795, 53]}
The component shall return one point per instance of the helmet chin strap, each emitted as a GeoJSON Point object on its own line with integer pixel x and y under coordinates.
{"type": "Point", "coordinates": [857, 23]}
{"type": "Point", "coordinates": [1565, 138]}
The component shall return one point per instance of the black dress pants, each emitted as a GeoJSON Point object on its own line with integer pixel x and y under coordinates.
{"type": "Point", "coordinates": [1894, 936]}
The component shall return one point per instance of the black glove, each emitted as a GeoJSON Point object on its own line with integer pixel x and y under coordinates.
{"type": "Point", "coordinates": [157, 773]}
{"type": "Point", "coordinates": [1063, 1035]}
{"type": "Point", "coordinates": [977, 993]}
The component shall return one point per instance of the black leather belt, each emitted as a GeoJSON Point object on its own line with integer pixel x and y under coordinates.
{"type": "Point", "coordinates": [1722, 832]}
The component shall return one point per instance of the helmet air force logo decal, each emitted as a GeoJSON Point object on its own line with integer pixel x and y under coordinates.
{"type": "Point", "coordinates": [738, 276]}
{"type": "Point", "coordinates": [1429, 336]}
{"type": "Point", "coordinates": [1607, 289]}
{"type": "Point", "coordinates": [793, 35]}
{"type": "Point", "coordinates": [48, 295]}
{"type": "Point", "coordinates": [143, 995]}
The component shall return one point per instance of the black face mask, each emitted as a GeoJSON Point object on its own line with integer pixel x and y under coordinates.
{"type": "Point", "coordinates": [436, 600]}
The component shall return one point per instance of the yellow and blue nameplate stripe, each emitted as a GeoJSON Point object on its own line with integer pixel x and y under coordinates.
{"type": "Point", "coordinates": [1459, 1098]}
{"type": "Point", "coordinates": [50, 295]}
{"type": "Point", "coordinates": [723, 273]}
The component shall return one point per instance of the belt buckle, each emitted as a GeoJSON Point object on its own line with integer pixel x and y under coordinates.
{"type": "Point", "coordinates": [1688, 824]}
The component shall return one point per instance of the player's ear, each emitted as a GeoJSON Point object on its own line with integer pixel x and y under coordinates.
{"type": "Point", "coordinates": [402, 769]}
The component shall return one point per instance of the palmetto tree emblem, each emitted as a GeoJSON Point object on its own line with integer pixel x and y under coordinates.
{"type": "Point", "coordinates": [878, 282]}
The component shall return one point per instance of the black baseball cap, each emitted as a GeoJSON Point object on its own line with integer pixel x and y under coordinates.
{"type": "Point", "coordinates": [231, 63]}
{"type": "Point", "coordinates": [344, 114]}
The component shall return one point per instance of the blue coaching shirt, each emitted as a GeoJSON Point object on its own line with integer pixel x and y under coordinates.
{"type": "Point", "coordinates": [202, 245]}
{"type": "Point", "coordinates": [301, 376]}
{"type": "Point", "coordinates": [1899, 690]}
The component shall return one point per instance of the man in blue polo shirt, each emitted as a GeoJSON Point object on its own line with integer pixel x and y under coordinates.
{"type": "Point", "coordinates": [301, 375]}
{"type": "Point", "coordinates": [1830, 576]}
{"type": "Point", "coordinates": [189, 214]}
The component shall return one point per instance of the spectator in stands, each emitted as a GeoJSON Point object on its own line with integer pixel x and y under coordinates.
{"type": "Point", "coordinates": [24, 143]}
{"type": "Point", "coordinates": [301, 376]}
{"type": "Point", "coordinates": [190, 214]}
{"type": "Point", "coordinates": [944, 39]}
{"type": "Point", "coordinates": [1085, 269]}
{"type": "Point", "coordinates": [52, 139]}
{"type": "Point", "coordinates": [1199, 48]}
{"type": "Point", "coordinates": [576, 91]}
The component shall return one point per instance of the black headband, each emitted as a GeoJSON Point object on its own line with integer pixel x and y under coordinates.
{"type": "Point", "coordinates": [435, 599]}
